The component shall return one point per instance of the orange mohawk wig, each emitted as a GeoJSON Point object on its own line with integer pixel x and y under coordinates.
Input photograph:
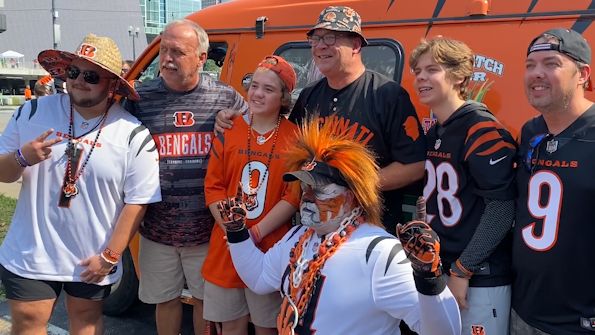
{"type": "Point", "coordinates": [353, 160]}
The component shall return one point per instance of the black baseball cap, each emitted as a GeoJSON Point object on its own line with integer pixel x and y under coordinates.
{"type": "Point", "coordinates": [572, 44]}
{"type": "Point", "coordinates": [316, 173]}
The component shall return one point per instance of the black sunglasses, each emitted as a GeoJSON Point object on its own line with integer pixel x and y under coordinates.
{"type": "Point", "coordinates": [91, 77]}
{"type": "Point", "coordinates": [533, 152]}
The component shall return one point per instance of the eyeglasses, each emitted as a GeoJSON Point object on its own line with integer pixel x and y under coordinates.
{"type": "Point", "coordinates": [328, 39]}
{"type": "Point", "coordinates": [91, 77]}
{"type": "Point", "coordinates": [534, 144]}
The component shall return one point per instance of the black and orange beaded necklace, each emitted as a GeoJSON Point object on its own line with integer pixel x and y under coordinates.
{"type": "Point", "coordinates": [70, 189]}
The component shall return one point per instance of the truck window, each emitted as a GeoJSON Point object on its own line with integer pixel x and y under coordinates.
{"type": "Point", "coordinates": [215, 60]}
{"type": "Point", "coordinates": [381, 55]}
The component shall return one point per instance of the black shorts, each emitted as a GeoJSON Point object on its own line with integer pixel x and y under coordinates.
{"type": "Point", "coordinates": [24, 289]}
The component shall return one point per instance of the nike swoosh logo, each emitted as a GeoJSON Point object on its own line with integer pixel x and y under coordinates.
{"type": "Point", "coordinates": [496, 161]}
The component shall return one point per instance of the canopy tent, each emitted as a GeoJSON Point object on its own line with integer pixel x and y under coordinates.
{"type": "Point", "coordinates": [12, 59]}
{"type": "Point", "coordinates": [11, 54]}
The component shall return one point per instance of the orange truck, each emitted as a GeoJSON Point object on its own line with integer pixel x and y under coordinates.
{"type": "Point", "coordinates": [242, 32]}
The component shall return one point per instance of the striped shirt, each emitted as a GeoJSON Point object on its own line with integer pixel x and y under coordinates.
{"type": "Point", "coordinates": [182, 127]}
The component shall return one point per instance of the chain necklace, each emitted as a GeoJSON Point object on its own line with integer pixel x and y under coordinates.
{"type": "Point", "coordinates": [253, 190]}
{"type": "Point", "coordinates": [260, 139]}
{"type": "Point", "coordinates": [304, 273]}
{"type": "Point", "coordinates": [70, 189]}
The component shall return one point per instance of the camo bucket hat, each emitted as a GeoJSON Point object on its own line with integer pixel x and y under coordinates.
{"type": "Point", "coordinates": [101, 51]}
{"type": "Point", "coordinates": [340, 18]}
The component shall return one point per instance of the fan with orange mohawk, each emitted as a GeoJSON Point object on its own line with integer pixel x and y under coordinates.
{"type": "Point", "coordinates": [339, 242]}
{"type": "Point", "coordinates": [321, 153]}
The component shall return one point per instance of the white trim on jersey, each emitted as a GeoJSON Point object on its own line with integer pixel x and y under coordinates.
{"type": "Point", "coordinates": [360, 293]}
{"type": "Point", "coordinates": [47, 242]}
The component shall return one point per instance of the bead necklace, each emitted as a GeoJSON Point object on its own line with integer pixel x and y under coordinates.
{"type": "Point", "coordinates": [304, 273]}
{"type": "Point", "coordinates": [70, 189]}
{"type": "Point", "coordinates": [252, 191]}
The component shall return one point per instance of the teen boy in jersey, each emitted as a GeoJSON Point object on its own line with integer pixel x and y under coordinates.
{"type": "Point", "coordinates": [553, 236]}
{"type": "Point", "coordinates": [469, 187]}
{"type": "Point", "coordinates": [340, 272]}
{"type": "Point", "coordinates": [251, 154]}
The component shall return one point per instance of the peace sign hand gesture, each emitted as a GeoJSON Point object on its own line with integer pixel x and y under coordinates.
{"type": "Point", "coordinates": [40, 148]}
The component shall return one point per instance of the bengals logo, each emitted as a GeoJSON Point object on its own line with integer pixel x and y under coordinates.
{"type": "Point", "coordinates": [309, 166]}
{"type": "Point", "coordinates": [478, 330]}
{"type": "Point", "coordinates": [87, 50]}
{"type": "Point", "coordinates": [411, 128]}
{"type": "Point", "coordinates": [183, 119]}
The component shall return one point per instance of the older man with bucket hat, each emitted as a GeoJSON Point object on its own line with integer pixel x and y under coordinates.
{"type": "Point", "coordinates": [378, 111]}
{"type": "Point", "coordinates": [89, 169]}
{"type": "Point", "coordinates": [372, 108]}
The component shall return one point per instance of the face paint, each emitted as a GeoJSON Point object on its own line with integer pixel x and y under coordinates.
{"type": "Point", "coordinates": [323, 208]}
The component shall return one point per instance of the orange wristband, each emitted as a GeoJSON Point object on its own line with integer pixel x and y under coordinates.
{"type": "Point", "coordinates": [111, 256]}
{"type": "Point", "coordinates": [255, 232]}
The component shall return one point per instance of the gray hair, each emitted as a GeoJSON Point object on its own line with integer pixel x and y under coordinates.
{"type": "Point", "coordinates": [201, 34]}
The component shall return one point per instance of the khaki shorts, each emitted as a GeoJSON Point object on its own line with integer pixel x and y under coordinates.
{"type": "Point", "coordinates": [226, 304]}
{"type": "Point", "coordinates": [164, 268]}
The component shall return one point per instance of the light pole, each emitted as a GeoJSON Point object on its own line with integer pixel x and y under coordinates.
{"type": "Point", "coordinates": [133, 32]}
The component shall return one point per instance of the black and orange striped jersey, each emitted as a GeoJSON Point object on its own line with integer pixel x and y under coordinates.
{"type": "Point", "coordinates": [470, 158]}
{"type": "Point", "coordinates": [554, 229]}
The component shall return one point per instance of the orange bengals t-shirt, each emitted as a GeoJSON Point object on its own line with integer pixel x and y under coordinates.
{"type": "Point", "coordinates": [228, 165]}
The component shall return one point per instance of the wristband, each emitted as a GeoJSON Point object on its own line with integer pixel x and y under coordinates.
{"type": "Point", "coordinates": [107, 260]}
{"type": "Point", "coordinates": [458, 270]}
{"type": "Point", "coordinates": [111, 255]}
{"type": "Point", "coordinates": [430, 286]}
{"type": "Point", "coordinates": [255, 233]}
{"type": "Point", "coordinates": [18, 156]}
{"type": "Point", "coordinates": [238, 236]}
{"type": "Point", "coordinates": [234, 226]}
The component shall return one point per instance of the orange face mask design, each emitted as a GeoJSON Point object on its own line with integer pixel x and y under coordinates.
{"type": "Point", "coordinates": [329, 201]}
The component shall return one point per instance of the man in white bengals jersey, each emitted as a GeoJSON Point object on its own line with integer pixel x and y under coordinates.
{"type": "Point", "coordinates": [88, 168]}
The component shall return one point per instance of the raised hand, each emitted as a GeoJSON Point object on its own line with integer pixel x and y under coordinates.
{"type": "Point", "coordinates": [233, 211]}
{"type": "Point", "coordinates": [40, 148]}
{"type": "Point", "coordinates": [421, 243]}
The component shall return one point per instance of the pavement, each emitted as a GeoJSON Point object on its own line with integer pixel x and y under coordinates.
{"type": "Point", "coordinates": [12, 189]}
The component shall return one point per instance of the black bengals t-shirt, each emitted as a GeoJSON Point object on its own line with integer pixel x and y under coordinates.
{"type": "Point", "coordinates": [377, 112]}
{"type": "Point", "coordinates": [554, 234]}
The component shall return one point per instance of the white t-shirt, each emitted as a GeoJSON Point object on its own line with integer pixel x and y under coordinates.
{"type": "Point", "coordinates": [367, 285]}
{"type": "Point", "coordinates": [46, 241]}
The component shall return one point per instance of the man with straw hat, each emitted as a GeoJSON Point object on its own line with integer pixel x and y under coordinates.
{"type": "Point", "coordinates": [82, 160]}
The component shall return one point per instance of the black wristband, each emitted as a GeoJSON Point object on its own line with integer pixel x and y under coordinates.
{"type": "Point", "coordinates": [238, 236]}
{"type": "Point", "coordinates": [430, 286]}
